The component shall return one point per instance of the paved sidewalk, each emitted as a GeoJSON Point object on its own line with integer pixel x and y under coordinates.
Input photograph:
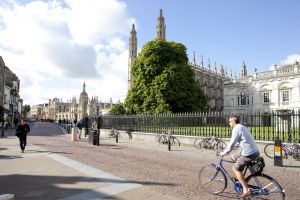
{"type": "Point", "coordinates": [41, 174]}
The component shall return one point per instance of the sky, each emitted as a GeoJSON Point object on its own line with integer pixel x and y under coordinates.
{"type": "Point", "coordinates": [55, 45]}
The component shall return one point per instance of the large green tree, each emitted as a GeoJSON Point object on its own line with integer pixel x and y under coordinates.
{"type": "Point", "coordinates": [25, 109]}
{"type": "Point", "coordinates": [162, 81]}
{"type": "Point", "coordinates": [118, 109]}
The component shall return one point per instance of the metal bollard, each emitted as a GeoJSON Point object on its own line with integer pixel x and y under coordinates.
{"type": "Point", "coordinates": [169, 144]}
{"type": "Point", "coordinates": [278, 153]}
{"type": "Point", "coordinates": [117, 137]}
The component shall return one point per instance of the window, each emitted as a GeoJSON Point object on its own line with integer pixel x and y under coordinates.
{"type": "Point", "coordinates": [285, 96]}
{"type": "Point", "coordinates": [266, 96]}
{"type": "Point", "coordinates": [243, 100]}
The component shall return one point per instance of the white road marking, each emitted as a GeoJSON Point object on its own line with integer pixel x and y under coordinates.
{"type": "Point", "coordinates": [116, 185]}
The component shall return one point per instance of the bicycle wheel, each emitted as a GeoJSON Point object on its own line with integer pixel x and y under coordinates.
{"type": "Point", "coordinates": [269, 151]}
{"type": "Point", "coordinates": [263, 186]}
{"type": "Point", "coordinates": [204, 144]}
{"type": "Point", "coordinates": [220, 146]}
{"type": "Point", "coordinates": [197, 142]}
{"type": "Point", "coordinates": [212, 180]}
{"type": "Point", "coordinates": [174, 141]}
{"type": "Point", "coordinates": [296, 153]}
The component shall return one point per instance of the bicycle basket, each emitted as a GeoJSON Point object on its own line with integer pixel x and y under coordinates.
{"type": "Point", "coordinates": [258, 165]}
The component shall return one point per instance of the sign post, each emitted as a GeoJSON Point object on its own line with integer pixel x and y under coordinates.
{"type": "Point", "coordinates": [277, 153]}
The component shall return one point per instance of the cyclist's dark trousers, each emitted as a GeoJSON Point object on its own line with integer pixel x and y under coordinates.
{"type": "Point", "coordinates": [23, 139]}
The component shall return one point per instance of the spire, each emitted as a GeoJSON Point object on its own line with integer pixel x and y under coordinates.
{"type": "Point", "coordinates": [208, 66]}
{"type": "Point", "coordinates": [226, 73]}
{"type": "Point", "coordinates": [132, 51]}
{"type": "Point", "coordinates": [160, 26]}
{"type": "Point", "coordinates": [215, 67]}
{"type": "Point", "coordinates": [194, 59]}
{"type": "Point", "coordinates": [202, 63]}
{"type": "Point", "coordinates": [231, 73]}
{"type": "Point", "coordinates": [243, 71]}
{"type": "Point", "coordinates": [222, 71]}
{"type": "Point", "coordinates": [84, 86]}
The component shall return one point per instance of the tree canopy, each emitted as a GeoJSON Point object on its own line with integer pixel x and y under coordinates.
{"type": "Point", "coordinates": [162, 81]}
{"type": "Point", "coordinates": [118, 109]}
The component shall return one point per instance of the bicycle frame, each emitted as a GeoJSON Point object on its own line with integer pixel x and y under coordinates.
{"type": "Point", "coordinates": [236, 188]}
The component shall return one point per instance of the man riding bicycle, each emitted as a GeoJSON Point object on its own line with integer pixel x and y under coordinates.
{"type": "Point", "coordinates": [248, 151]}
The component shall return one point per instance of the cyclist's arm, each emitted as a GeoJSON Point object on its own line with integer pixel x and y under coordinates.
{"type": "Point", "coordinates": [234, 139]}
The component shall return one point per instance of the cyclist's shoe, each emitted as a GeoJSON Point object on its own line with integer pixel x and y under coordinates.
{"type": "Point", "coordinates": [247, 194]}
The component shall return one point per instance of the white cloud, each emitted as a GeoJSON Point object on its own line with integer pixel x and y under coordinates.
{"type": "Point", "coordinates": [291, 59]}
{"type": "Point", "coordinates": [53, 46]}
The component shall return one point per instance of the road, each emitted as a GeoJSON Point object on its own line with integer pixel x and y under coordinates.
{"type": "Point", "coordinates": [172, 175]}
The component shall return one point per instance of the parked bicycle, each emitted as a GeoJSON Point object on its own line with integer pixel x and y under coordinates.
{"type": "Point", "coordinates": [163, 138]}
{"type": "Point", "coordinates": [213, 179]}
{"type": "Point", "coordinates": [210, 143]}
{"type": "Point", "coordinates": [291, 149]}
{"type": "Point", "coordinates": [114, 133]}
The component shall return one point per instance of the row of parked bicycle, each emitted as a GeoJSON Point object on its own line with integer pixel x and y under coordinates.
{"type": "Point", "coordinates": [217, 144]}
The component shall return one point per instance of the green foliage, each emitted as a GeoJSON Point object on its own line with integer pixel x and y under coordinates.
{"type": "Point", "coordinates": [162, 81]}
{"type": "Point", "coordinates": [25, 110]}
{"type": "Point", "coordinates": [118, 109]}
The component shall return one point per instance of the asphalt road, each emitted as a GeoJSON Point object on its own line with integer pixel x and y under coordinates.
{"type": "Point", "coordinates": [173, 174]}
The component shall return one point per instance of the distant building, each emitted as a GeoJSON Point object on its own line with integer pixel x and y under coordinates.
{"type": "Point", "coordinates": [56, 109]}
{"type": "Point", "coordinates": [274, 90]}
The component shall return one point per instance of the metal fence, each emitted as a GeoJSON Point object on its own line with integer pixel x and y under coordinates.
{"type": "Point", "coordinates": [283, 124]}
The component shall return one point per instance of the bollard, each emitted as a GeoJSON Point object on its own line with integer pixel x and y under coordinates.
{"type": "Point", "coordinates": [169, 144]}
{"type": "Point", "coordinates": [277, 153]}
{"type": "Point", "coordinates": [95, 138]}
{"type": "Point", "coordinates": [117, 136]}
{"type": "Point", "coordinates": [73, 134]}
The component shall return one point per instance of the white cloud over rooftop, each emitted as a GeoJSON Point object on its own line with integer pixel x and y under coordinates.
{"type": "Point", "coordinates": [53, 46]}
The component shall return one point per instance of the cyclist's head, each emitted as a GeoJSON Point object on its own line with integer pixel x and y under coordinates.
{"type": "Point", "coordinates": [233, 121]}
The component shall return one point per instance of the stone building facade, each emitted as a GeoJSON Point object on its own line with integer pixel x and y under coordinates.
{"type": "Point", "coordinates": [274, 90]}
{"type": "Point", "coordinates": [56, 109]}
{"type": "Point", "coordinates": [10, 101]}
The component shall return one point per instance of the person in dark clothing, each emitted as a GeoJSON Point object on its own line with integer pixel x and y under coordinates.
{"type": "Point", "coordinates": [22, 130]}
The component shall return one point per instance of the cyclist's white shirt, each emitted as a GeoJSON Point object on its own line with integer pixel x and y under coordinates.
{"type": "Point", "coordinates": [241, 135]}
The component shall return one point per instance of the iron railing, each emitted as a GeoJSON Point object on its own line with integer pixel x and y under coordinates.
{"type": "Point", "coordinates": [282, 124]}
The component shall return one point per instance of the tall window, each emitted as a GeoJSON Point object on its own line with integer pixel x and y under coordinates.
{"type": "Point", "coordinates": [266, 97]}
{"type": "Point", "coordinates": [243, 99]}
{"type": "Point", "coordinates": [285, 96]}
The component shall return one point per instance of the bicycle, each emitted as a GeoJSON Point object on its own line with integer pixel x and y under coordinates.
{"type": "Point", "coordinates": [213, 179]}
{"type": "Point", "coordinates": [287, 150]}
{"type": "Point", "coordinates": [163, 138]}
{"type": "Point", "coordinates": [210, 143]}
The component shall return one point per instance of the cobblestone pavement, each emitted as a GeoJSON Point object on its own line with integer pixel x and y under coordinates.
{"type": "Point", "coordinates": [173, 175]}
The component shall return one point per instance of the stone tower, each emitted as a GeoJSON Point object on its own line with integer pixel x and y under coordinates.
{"type": "Point", "coordinates": [132, 52]}
{"type": "Point", "coordinates": [243, 71]}
{"type": "Point", "coordinates": [83, 103]}
{"type": "Point", "coordinates": [161, 27]}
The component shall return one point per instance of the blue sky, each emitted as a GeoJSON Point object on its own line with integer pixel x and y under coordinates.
{"type": "Point", "coordinates": [56, 45]}
{"type": "Point", "coordinates": [260, 32]}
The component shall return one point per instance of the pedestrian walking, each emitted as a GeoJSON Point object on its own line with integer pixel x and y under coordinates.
{"type": "Point", "coordinates": [79, 126]}
{"type": "Point", "coordinates": [22, 131]}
